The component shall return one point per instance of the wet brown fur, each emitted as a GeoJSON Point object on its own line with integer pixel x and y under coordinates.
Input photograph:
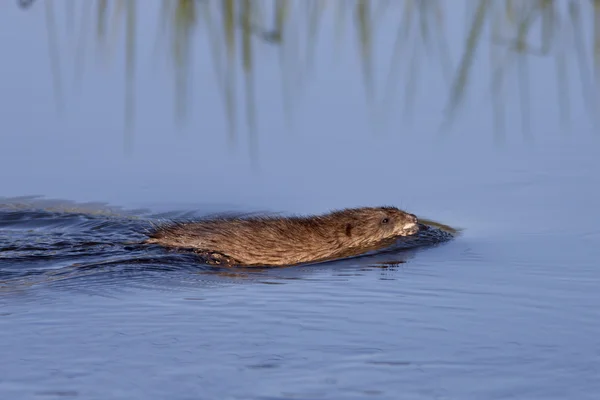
{"type": "Point", "coordinates": [277, 241]}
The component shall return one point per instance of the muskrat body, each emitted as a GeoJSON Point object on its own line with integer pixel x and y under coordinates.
{"type": "Point", "coordinates": [278, 241]}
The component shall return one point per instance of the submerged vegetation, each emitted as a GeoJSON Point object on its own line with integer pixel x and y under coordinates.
{"type": "Point", "coordinates": [564, 32]}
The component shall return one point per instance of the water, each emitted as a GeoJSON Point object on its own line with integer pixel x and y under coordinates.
{"type": "Point", "coordinates": [507, 309]}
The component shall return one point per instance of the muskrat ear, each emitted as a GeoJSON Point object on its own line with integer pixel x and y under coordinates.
{"type": "Point", "coordinates": [348, 230]}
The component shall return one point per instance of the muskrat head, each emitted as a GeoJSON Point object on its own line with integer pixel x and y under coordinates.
{"type": "Point", "coordinates": [376, 224]}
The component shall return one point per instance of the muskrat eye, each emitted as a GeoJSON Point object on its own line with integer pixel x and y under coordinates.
{"type": "Point", "coordinates": [385, 220]}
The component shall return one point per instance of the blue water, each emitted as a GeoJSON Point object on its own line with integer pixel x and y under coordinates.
{"type": "Point", "coordinates": [508, 309]}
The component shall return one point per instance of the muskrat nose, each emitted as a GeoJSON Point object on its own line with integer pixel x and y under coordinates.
{"type": "Point", "coordinates": [411, 221]}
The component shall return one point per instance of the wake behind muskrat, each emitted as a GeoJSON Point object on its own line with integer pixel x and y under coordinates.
{"type": "Point", "coordinates": [279, 241]}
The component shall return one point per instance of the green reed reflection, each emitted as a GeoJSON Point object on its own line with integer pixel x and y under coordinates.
{"type": "Point", "coordinates": [235, 29]}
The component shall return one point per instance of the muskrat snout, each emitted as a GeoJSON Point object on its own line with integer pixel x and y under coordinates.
{"type": "Point", "coordinates": [411, 221]}
{"type": "Point", "coordinates": [411, 226]}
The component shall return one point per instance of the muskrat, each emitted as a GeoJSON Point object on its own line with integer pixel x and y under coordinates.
{"type": "Point", "coordinates": [278, 241]}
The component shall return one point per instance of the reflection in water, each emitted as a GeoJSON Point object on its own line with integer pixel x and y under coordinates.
{"type": "Point", "coordinates": [237, 30]}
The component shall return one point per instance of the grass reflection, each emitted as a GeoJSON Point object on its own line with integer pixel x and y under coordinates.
{"type": "Point", "coordinates": [555, 30]}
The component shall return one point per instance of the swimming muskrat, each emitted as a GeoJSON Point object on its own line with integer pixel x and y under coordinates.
{"type": "Point", "coordinates": [278, 241]}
